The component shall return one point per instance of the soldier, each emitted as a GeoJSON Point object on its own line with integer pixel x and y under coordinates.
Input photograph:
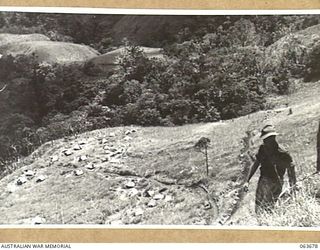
{"type": "Point", "coordinates": [273, 162]}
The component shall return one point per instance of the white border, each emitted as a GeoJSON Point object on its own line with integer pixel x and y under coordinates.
{"type": "Point", "coordinates": [118, 11]}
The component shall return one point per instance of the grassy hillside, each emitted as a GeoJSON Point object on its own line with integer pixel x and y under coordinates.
{"type": "Point", "coordinates": [49, 51]}
{"type": "Point", "coordinates": [202, 79]}
{"type": "Point", "coordinates": [297, 134]}
{"type": "Point", "coordinates": [15, 38]}
{"type": "Point", "coordinates": [297, 51]}
{"type": "Point", "coordinates": [135, 175]}
{"type": "Point", "coordinates": [240, 70]}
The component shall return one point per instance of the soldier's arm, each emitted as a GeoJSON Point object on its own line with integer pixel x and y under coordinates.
{"type": "Point", "coordinates": [253, 169]}
{"type": "Point", "coordinates": [290, 169]}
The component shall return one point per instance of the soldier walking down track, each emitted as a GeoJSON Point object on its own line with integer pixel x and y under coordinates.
{"type": "Point", "coordinates": [273, 162]}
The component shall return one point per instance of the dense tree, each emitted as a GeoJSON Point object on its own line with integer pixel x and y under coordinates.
{"type": "Point", "coordinates": [211, 69]}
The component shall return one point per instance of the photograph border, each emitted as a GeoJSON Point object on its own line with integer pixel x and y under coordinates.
{"type": "Point", "coordinates": [169, 4]}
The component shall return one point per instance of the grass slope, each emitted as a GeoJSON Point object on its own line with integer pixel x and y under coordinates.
{"type": "Point", "coordinates": [154, 175]}
{"type": "Point", "coordinates": [299, 44]}
{"type": "Point", "coordinates": [50, 52]}
{"type": "Point", "coordinates": [6, 38]}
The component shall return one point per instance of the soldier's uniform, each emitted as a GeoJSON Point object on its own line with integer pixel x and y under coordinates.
{"type": "Point", "coordinates": [274, 161]}
{"type": "Point", "coordinates": [273, 166]}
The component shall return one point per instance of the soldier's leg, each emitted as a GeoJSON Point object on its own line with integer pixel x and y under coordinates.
{"type": "Point", "coordinates": [268, 192]}
{"type": "Point", "coordinates": [276, 190]}
{"type": "Point", "coordinates": [263, 195]}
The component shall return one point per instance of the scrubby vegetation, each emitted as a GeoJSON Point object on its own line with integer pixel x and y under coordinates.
{"type": "Point", "coordinates": [299, 211]}
{"type": "Point", "coordinates": [214, 68]}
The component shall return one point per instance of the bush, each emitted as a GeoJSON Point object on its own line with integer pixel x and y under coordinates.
{"type": "Point", "coordinates": [149, 117]}
{"type": "Point", "coordinates": [17, 135]}
{"type": "Point", "coordinates": [281, 82]}
{"type": "Point", "coordinates": [312, 68]}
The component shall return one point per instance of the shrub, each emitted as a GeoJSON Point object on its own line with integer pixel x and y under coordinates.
{"type": "Point", "coordinates": [133, 64]}
{"type": "Point", "coordinates": [149, 117]}
{"type": "Point", "coordinates": [312, 70]}
{"type": "Point", "coordinates": [281, 82]}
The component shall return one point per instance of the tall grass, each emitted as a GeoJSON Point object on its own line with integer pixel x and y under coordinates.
{"type": "Point", "coordinates": [303, 210]}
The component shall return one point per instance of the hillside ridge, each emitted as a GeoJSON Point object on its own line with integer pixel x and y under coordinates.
{"type": "Point", "coordinates": [152, 175]}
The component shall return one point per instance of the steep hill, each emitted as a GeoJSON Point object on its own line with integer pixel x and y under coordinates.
{"type": "Point", "coordinates": [49, 51]}
{"type": "Point", "coordinates": [154, 175]}
{"type": "Point", "coordinates": [295, 47]}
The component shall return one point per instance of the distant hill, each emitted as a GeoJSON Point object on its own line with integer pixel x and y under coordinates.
{"type": "Point", "coordinates": [15, 38]}
{"type": "Point", "coordinates": [147, 30]}
{"type": "Point", "coordinates": [49, 51]}
{"type": "Point", "coordinates": [108, 62]}
{"type": "Point", "coordinates": [295, 47]}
